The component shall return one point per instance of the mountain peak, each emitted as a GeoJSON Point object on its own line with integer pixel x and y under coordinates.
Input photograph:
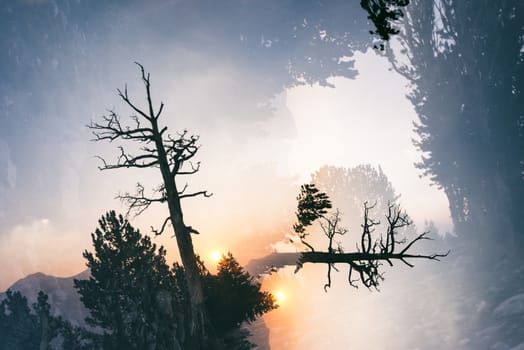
{"type": "Point", "coordinates": [63, 297]}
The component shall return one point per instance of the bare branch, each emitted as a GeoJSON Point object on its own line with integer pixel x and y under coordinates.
{"type": "Point", "coordinates": [181, 150]}
{"type": "Point", "coordinates": [328, 284]}
{"type": "Point", "coordinates": [366, 262]}
{"type": "Point", "coordinates": [126, 160]}
{"type": "Point", "coordinates": [103, 162]}
{"type": "Point", "coordinates": [194, 194]}
{"type": "Point", "coordinates": [158, 233]}
{"type": "Point", "coordinates": [183, 189]}
{"type": "Point", "coordinates": [350, 258]}
{"type": "Point", "coordinates": [192, 230]}
{"type": "Point", "coordinates": [418, 238]}
{"type": "Point", "coordinates": [365, 241]}
{"type": "Point", "coordinates": [158, 115]}
{"type": "Point", "coordinates": [124, 95]}
{"type": "Point", "coordinates": [139, 202]}
{"type": "Point", "coordinates": [113, 129]}
{"type": "Point", "coordinates": [176, 151]}
{"type": "Point", "coordinates": [194, 169]}
{"type": "Point", "coordinates": [145, 80]}
{"type": "Point", "coordinates": [306, 243]}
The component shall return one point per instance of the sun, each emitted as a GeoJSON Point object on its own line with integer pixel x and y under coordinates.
{"type": "Point", "coordinates": [280, 296]}
{"type": "Point", "coordinates": [216, 256]}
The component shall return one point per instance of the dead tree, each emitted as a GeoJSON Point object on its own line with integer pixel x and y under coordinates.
{"type": "Point", "coordinates": [172, 155]}
{"type": "Point", "coordinates": [370, 252]}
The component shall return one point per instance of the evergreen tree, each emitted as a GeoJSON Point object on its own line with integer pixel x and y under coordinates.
{"type": "Point", "coordinates": [23, 328]}
{"type": "Point", "coordinates": [130, 291]}
{"type": "Point", "coordinates": [49, 325]}
{"type": "Point", "coordinates": [233, 296]}
{"type": "Point", "coordinates": [18, 326]}
{"type": "Point", "coordinates": [138, 302]}
{"type": "Point", "coordinates": [77, 338]}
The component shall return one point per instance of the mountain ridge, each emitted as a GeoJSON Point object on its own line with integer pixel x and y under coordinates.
{"type": "Point", "coordinates": [63, 297]}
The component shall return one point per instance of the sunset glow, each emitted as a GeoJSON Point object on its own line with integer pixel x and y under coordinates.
{"type": "Point", "coordinates": [280, 297]}
{"type": "Point", "coordinates": [257, 171]}
{"type": "Point", "coordinates": [216, 256]}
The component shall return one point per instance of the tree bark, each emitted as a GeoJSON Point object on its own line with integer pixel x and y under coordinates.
{"type": "Point", "coordinates": [197, 322]}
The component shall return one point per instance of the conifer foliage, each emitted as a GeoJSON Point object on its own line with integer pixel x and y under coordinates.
{"type": "Point", "coordinates": [139, 302]}
{"type": "Point", "coordinates": [233, 296]}
{"type": "Point", "coordinates": [22, 327]}
{"type": "Point", "coordinates": [131, 294]}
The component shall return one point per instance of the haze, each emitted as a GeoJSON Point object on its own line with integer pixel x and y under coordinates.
{"type": "Point", "coordinates": [270, 109]}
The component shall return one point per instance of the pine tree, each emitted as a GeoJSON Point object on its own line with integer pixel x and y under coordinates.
{"type": "Point", "coordinates": [233, 296]}
{"type": "Point", "coordinates": [130, 293]}
{"type": "Point", "coordinates": [18, 326]}
{"type": "Point", "coordinates": [49, 325]}
{"type": "Point", "coordinates": [24, 328]}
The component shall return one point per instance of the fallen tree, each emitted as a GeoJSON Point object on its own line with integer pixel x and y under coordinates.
{"type": "Point", "coordinates": [371, 250]}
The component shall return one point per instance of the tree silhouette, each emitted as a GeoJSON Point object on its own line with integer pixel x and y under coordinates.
{"type": "Point", "coordinates": [24, 328]}
{"type": "Point", "coordinates": [233, 296]}
{"type": "Point", "coordinates": [49, 325]}
{"type": "Point", "coordinates": [372, 249]}
{"type": "Point", "coordinates": [79, 338]}
{"type": "Point", "coordinates": [19, 327]}
{"type": "Point", "coordinates": [312, 205]}
{"type": "Point", "coordinates": [131, 294]}
{"type": "Point", "coordinates": [138, 302]}
{"type": "Point", "coordinates": [171, 155]}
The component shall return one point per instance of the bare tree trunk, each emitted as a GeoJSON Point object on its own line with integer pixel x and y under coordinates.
{"type": "Point", "coordinates": [169, 155]}
{"type": "Point", "coordinates": [187, 255]}
{"type": "Point", "coordinates": [197, 326]}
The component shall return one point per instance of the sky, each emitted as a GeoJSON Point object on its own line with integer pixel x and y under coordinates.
{"type": "Point", "coordinates": [310, 126]}
{"type": "Point", "coordinates": [236, 85]}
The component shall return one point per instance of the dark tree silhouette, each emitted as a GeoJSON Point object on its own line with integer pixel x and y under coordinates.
{"type": "Point", "coordinates": [312, 205]}
{"type": "Point", "coordinates": [50, 326]}
{"type": "Point", "coordinates": [138, 302]}
{"type": "Point", "coordinates": [372, 250]}
{"type": "Point", "coordinates": [233, 296]}
{"type": "Point", "coordinates": [19, 327]}
{"type": "Point", "coordinates": [464, 61]}
{"type": "Point", "coordinates": [132, 294]}
{"type": "Point", "coordinates": [370, 253]}
{"type": "Point", "coordinates": [171, 155]}
{"type": "Point", "coordinates": [79, 338]}
{"type": "Point", "coordinates": [24, 328]}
